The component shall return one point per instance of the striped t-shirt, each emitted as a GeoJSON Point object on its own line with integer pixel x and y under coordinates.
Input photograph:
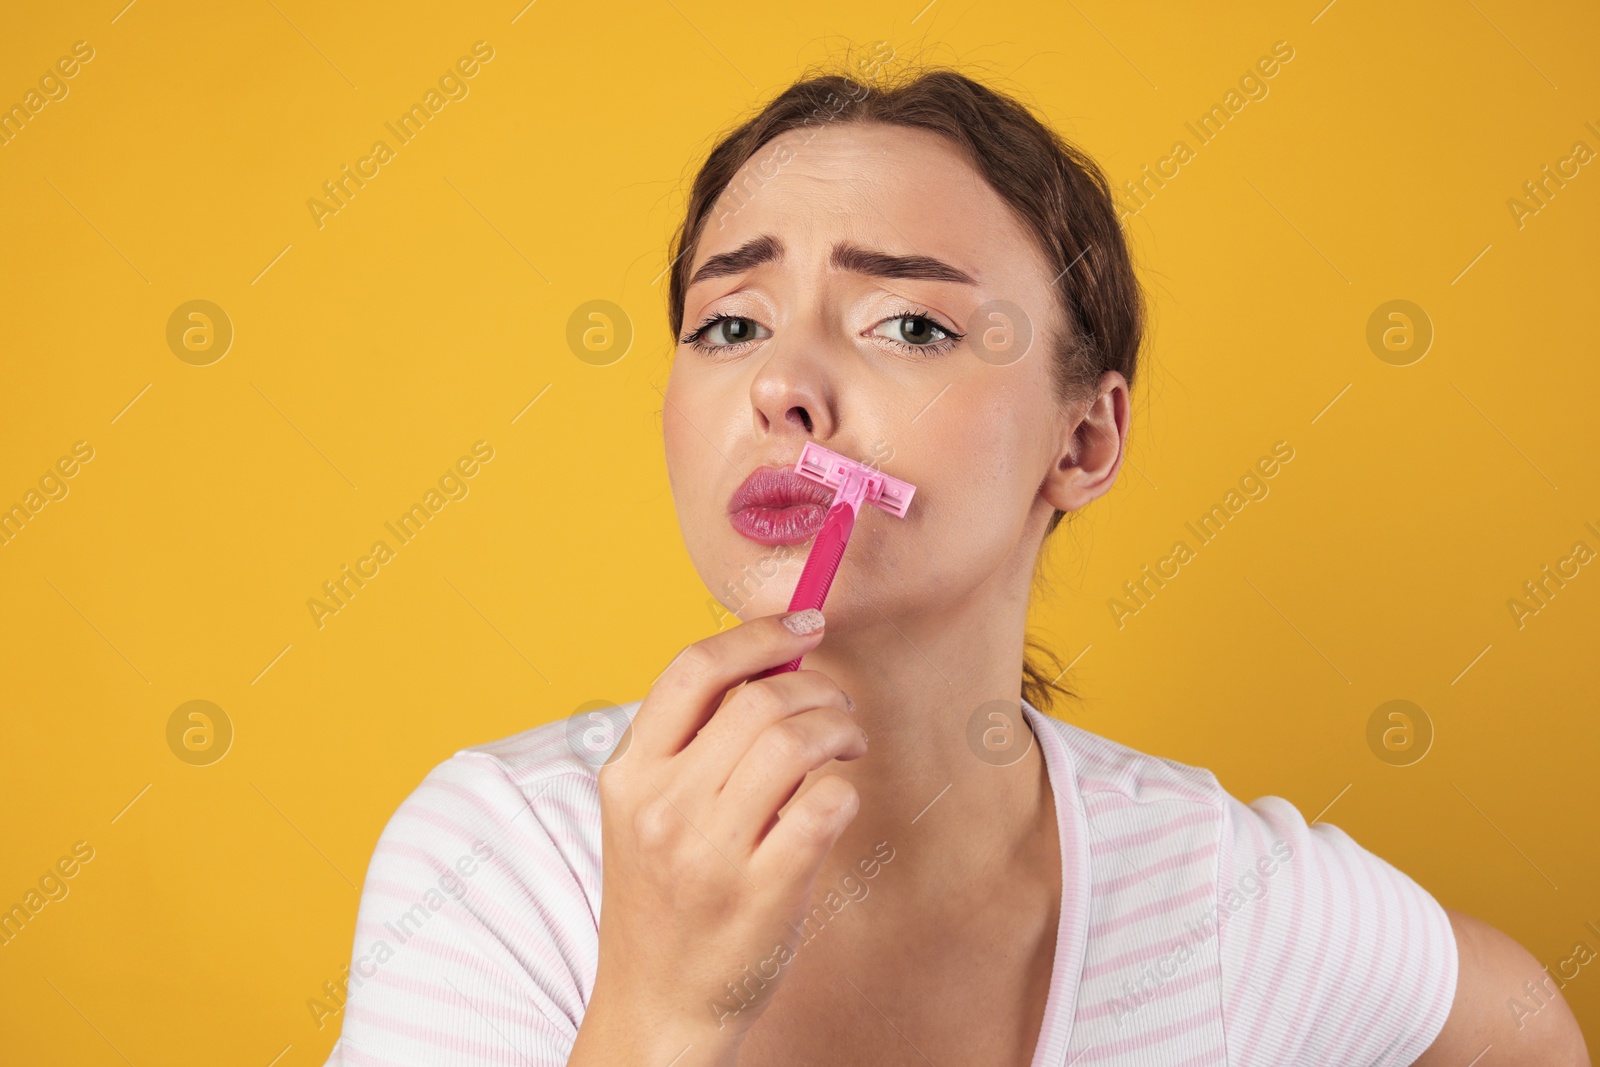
{"type": "Point", "coordinates": [1195, 930]}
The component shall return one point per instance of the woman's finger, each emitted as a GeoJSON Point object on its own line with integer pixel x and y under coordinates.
{"type": "Point", "coordinates": [689, 691]}
{"type": "Point", "coordinates": [748, 710]}
{"type": "Point", "coordinates": [776, 766]}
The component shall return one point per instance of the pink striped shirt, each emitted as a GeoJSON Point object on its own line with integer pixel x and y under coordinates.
{"type": "Point", "coordinates": [1195, 930]}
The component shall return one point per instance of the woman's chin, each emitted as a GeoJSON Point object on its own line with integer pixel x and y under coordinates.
{"type": "Point", "coordinates": [754, 580]}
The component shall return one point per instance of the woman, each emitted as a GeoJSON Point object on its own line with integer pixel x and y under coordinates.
{"type": "Point", "coordinates": [891, 856]}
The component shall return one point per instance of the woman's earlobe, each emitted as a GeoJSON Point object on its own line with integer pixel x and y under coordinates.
{"type": "Point", "coordinates": [1086, 469]}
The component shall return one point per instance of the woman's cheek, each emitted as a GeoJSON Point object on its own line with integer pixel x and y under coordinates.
{"type": "Point", "coordinates": [931, 548]}
{"type": "Point", "coordinates": [977, 527]}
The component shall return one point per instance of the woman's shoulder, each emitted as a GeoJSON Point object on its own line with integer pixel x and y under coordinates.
{"type": "Point", "coordinates": [530, 798]}
{"type": "Point", "coordinates": [1312, 948]}
{"type": "Point", "coordinates": [576, 744]}
{"type": "Point", "coordinates": [1110, 771]}
{"type": "Point", "coordinates": [487, 877]}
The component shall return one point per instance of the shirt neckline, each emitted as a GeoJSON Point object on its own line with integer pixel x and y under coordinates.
{"type": "Point", "coordinates": [1072, 928]}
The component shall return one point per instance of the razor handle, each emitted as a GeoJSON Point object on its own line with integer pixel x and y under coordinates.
{"type": "Point", "coordinates": [822, 563]}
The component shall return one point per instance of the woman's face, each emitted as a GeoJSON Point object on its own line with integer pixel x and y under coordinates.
{"type": "Point", "coordinates": [855, 257]}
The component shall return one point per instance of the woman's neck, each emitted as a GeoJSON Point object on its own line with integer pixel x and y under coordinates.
{"type": "Point", "coordinates": [937, 697]}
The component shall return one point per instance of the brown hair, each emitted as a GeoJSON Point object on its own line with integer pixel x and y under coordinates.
{"type": "Point", "coordinates": [1057, 191]}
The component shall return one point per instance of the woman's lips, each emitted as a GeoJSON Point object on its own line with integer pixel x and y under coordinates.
{"type": "Point", "coordinates": [779, 506]}
{"type": "Point", "coordinates": [780, 526]}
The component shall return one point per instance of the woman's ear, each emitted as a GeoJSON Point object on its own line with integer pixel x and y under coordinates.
{"type": "Point", "coordinates": [1094, 436]}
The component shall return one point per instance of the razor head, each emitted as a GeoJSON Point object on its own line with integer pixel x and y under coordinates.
{"type": "Point", "coordinates": [831, 469]}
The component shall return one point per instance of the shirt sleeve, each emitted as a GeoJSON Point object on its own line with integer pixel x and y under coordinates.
{"type": "Point", "coordinates": [475, 942]}
{"type": "Point", "coordinates": [1329, 954]}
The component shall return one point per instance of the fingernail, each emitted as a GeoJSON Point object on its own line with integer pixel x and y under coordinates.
{"type": "Point", "coordinates": [804, 622]}
{"type": "Point", "coordinates": [864, 737]}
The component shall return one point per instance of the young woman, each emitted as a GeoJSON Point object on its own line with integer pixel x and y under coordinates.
{"type": "Point", "coordinates": [891, 855]}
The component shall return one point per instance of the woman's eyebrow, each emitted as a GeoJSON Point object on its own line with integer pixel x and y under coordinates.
{"type": "Point", "coordinates": [748, 256]}
{"type": "Point", "coordinates": [874, 263]}
{"type": "Point", "coordinates": [846, 256]}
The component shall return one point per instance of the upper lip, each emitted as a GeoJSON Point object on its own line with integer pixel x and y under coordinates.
{"type": "Point", "coordinates": [778, 487]}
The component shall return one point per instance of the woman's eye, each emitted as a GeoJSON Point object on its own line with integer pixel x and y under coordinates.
{"type": "Point", "coordinates": [910, 332]}
{"type": "Point", "coordinates": [732, 330]}
{"type": "Point", "coordinates": [918, 331]}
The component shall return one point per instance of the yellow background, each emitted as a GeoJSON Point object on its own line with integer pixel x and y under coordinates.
{"type": "Point", "coordinates": [372, 352]}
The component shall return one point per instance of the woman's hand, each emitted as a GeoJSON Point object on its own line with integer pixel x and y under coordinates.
{"type": "Point", "coordinates": [702, 878]}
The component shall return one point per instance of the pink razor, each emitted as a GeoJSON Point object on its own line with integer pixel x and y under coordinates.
{"type": "Point", "coordinates": [856, 483]}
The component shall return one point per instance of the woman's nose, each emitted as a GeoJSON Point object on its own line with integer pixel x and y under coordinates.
{"type": "Point", "coordinates": [793, 389]}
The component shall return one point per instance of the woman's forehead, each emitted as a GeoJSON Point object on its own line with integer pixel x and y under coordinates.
{"type": "Point", "coordinates": [833, 172]}
{"type": "Point", "coordinates": [902, 191]}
